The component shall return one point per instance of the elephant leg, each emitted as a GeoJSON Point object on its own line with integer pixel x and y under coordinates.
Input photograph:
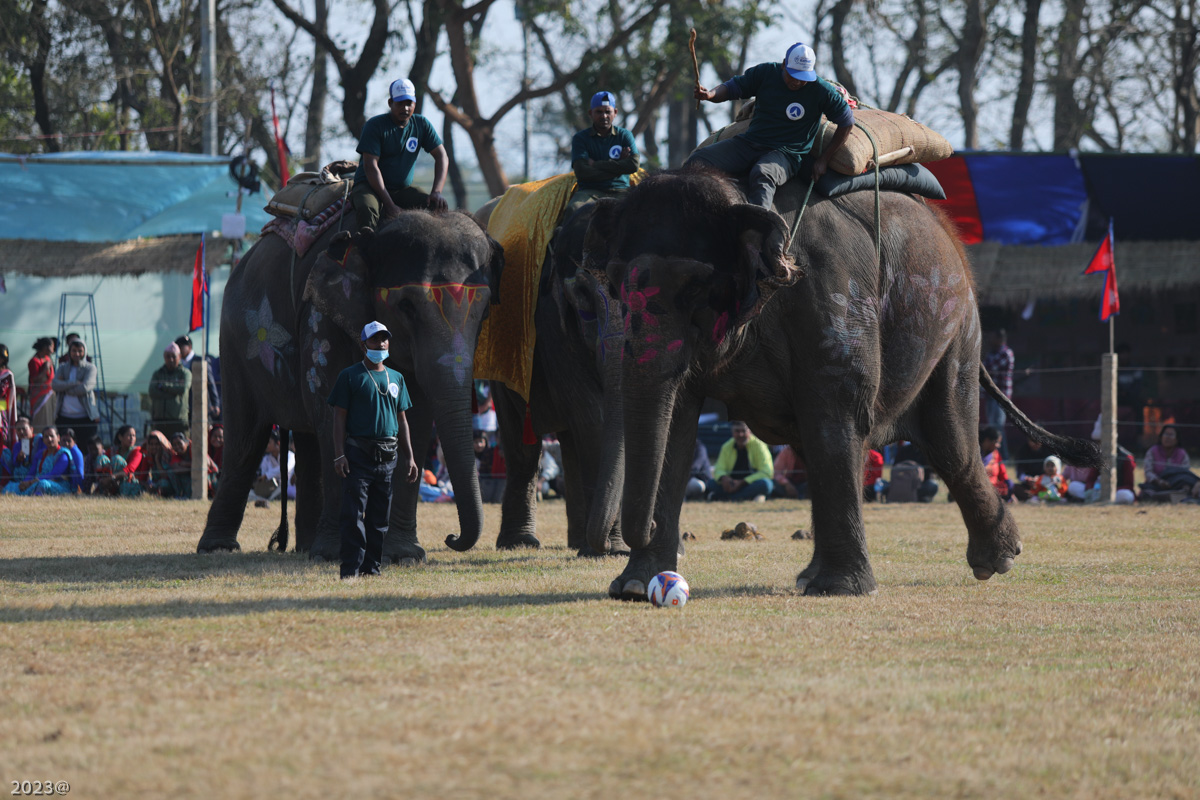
{"type": "Point", "coordinates": [245, 442]}
{"type": "Point", "coordinates": [839, 565]}
{"type": "Point", "coordinates": [663, 550]}
{"type": "Point", "coordinates": [951, 444]}
{"type": "Point", "coordinates": [400, 545]}
{"type": "Point", "coordinates": [327, 542]}
{"type": "Point", "coordinates": [518, 525]}
{"type": "Point", "coordinates": [308, 489]}
{"type": "Point", "coordinates": [580, 476]}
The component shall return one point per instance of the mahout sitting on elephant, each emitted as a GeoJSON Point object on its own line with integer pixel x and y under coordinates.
{"type": "Point", "coordinates": [813, 345]}
{"type": "Point", "coordinates": [290, 325]}
{"type": "Point", "coordinates": [574, 356]}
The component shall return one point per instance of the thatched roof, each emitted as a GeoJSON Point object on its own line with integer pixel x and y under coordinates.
{"type": "Point", "coordinates": [134, 257]}
{"type": "Point", "coordinates": [1012, 275]}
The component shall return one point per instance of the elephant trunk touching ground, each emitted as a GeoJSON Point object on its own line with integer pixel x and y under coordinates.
{"type": "Point", "coordinates": [606, 505]}
{"type": "Point", "coordinates": [454, 428]}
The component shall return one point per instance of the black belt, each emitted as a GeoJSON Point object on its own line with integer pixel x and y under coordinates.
{"type": "Point", "coordinates": [363, 443]}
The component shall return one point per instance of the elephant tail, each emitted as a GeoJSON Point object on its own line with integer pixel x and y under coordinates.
{"type": "Point", "coordinates": [279, 539]}
{"type": "Point", "coordinates": [1080, 452]}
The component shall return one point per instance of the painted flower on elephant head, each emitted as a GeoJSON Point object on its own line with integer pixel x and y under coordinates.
{"type": "Point", "coordinates": [314, 319]}
{"type": "Point", "coordinates": [639, 308]}
{"type": "Point", "coordinates": [266, 335]}
{"type": "Point", "coordinates": [459, 358]}
{"type": "Point", "coordinates": [314, 380]}
{"type": "Point", "coordinates": [319, 348]}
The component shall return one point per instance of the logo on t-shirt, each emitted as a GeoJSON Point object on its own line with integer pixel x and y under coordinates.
{"type": "Point", "coordinates": [614, 151]}
{"type": "Point", "coordinates": [411, 144]}
{"type": "Point", "coordinates": [394, 389]}
{"type": "Point", "coordinates": [795, 112]}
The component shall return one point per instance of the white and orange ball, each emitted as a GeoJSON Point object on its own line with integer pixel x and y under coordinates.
{"type": "Point", "coordinates": [668, 589]}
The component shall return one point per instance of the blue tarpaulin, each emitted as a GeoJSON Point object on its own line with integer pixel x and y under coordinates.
{"type": "Point", "coordinates": [116, 196]}
{"type": "Point", "coordinates": [1029, 199]}
{"type": "Point", "coordinates": [1149, 197]}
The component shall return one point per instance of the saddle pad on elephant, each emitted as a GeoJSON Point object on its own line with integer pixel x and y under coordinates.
{"type": "Point", "coordinates": [309, 193]}
{"type": "Point", "coordinates": [303, 234]}
{"type": "Point", "coordinates": [900, 140]}
{"type": "Point", "coordinates": [523, 222]}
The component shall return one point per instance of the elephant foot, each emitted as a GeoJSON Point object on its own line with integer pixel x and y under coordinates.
{"type": "Point", "coordinates": [517, 541]}
{"type": "Point", "coordinates": [327, 547]}
{"type": "Point", "coordinates": [826, 583]}
{"type": "Point", "coordinates": [407, 554]}
{"type": "Point", "coordinates": [587, 551]}
{"type": "Point", "coordinates": [215, 544]}
{"type": "Point", "coordinates": [631, 590]}
{"type": "Point", "coordinates": [807, 574]}
{"type": "Point", "coordinates": [996, 562]}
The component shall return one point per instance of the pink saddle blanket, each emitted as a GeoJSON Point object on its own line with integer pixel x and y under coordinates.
{"type": "Point", "coordinates": [300, 234]}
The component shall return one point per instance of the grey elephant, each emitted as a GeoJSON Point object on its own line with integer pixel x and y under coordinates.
{"type": "Point", "coordinates": [812, 344]}
{"type": "Point", "coordinates": [288, 327]}
{"type": "Point", "coordinates": [575, 354]}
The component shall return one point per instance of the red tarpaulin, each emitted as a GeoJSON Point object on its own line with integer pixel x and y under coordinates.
{"type": "Point", "coordinates": [960, 202]}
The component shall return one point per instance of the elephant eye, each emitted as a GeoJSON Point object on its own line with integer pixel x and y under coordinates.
{"type": "Point", "coordinates": [407, 308]}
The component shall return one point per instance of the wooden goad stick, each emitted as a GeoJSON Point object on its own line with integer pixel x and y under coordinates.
{"type": "Point", "coordinates": [695, 63]}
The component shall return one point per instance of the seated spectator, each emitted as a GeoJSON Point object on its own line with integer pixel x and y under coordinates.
{"type": "Point", "coordinates": [993, 464]}
{"type": "Point", "coordinates": [1168, 470]}
{"type": "Point", "coordinates": [1167, 453]}
{"type": "Point", "coordinates": [154, 471]}
{"type": "Point", "coordinates": [874, 486]}
{"type": "Point", "coordinates": [68, 444]}
{"type": "Point", "coordinates": [93, 452]}
{"type": "Point", "coordinates": [180, 482]}
{"type": "Point", "coordinates": [119, 469]}
{"type": "Point", "coordinates": [17, 459]}
{"type": "Point", "coordinates": [1049, 487]}
{"type": "Point", "coordinates": [744, 468]}
{"type": "Point", "coordinates": [701, 473]}
{"type": "Point", "coordinates": [493, 472]}
{"type": "Point", "coordinates": [216, 451]}
{"type": "Point", "coordinates": [52, 472]}
{"type": "Point", "coordinates": [790, 475]}
{"type": "Point", "coordinates": [908, 455]}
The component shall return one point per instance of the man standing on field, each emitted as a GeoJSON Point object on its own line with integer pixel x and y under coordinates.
{"type": "Point", "coordinates": [369, 431]}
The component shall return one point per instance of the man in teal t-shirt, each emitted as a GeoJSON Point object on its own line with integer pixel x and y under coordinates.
{"type": "Point", "coordinates": [602, 156]}
{"type": "Point", "coordinates": [389, 144]}
{"type": "Point", "coordinates": [787, 116]}
{"type": "Point", "coordinates": [369, 432]}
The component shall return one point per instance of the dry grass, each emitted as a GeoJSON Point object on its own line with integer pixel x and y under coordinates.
{"type": "Point", "coordinates": [131, 667]}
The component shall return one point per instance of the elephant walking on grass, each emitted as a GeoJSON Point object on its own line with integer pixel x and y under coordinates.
{"type": "Point", "coordinates": [576, 354]}
{"type": "Point", "coordinates": [290, 325]}
{"type": "Point", "coordinates": [816, 345]}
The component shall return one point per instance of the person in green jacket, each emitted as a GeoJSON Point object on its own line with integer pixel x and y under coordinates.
{"type": "Point", "coordinates": [169, 387]}
{"type": "Point", "coordinates": [744, 468]}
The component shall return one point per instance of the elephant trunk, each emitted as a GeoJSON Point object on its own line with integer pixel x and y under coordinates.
{"type": "Point", "coordinates": [610, 479]}
{"type": "Point", "coordinates": [647, 417]}
{"type": "Point", "coordinates": [453, 418]}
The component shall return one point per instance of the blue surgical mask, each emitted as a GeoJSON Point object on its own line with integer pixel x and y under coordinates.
{"type": "Point", "coordinates": [377, 356]}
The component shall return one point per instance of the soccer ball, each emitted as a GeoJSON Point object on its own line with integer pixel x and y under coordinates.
{"type": "Point", "coordinates": [668, 589]}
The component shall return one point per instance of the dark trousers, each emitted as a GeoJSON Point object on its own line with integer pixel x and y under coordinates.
{"type": "Point", "coordinates": [762, 486]}
{"type": "Point", "coordinates": [84, 429]}
{"type": "Point", "coordinates": [366, 506]}
{"type": "Point", "coordinates": [368, 209]}
{"type": "Point", "coordinates": [766, 169]}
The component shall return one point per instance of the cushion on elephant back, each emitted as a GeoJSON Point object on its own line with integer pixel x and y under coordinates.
{"type": "Point", "coordinates": [309, 193]}
{"type": "Point", "coordinates": [911, 178]}
{"type": "Point", "coordinates": [899, 140]}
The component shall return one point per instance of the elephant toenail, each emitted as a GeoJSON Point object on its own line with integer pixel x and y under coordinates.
{"type": "Point", "coordinates": [982, 573]}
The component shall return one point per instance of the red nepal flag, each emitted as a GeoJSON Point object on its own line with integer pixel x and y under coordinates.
{"type": "Point", "coordinates": [1103, 262]}
{"type": "Point", "coordinates": [199, 289]}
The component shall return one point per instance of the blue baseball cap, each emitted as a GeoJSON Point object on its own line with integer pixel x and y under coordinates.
{"type": "Point", "coordinates": [604, 99]}
{"type": "Point", "coordinates": [372, 328]}
{"type": "Point", "coordinates": [402, 89]}
{"type": "Point", "coordinates": [800, 61]}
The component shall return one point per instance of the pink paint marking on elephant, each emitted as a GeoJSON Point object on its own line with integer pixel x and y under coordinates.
{"type": "Point", "coordinates": [674, 346]}
{"type": "Point", "coordinates": [651, 338]}
{"type": "Point", "coordinates": [648, 355]}
{"type": "Point", "coordinates": [720, 327]}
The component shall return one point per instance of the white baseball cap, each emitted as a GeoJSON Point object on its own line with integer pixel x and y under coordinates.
{"type": "Point", "coordinates": [800, 61]}
{"type": "Point", "coordinates": [372, 328]}
{"type": "Point", "coordinates": [403, 89]}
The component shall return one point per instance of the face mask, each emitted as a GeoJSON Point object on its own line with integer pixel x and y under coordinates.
{"type": "Point", "coordinates": [377, 356]}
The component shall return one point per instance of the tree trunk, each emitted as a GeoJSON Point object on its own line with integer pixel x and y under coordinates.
{"type": "Point", "coordinates": [1025, 85]}
{"type": "Point", "coordinates": [315, 123]}
{"type": "Point", "coordinates": [1187, 50]}
{"type": "Point", "coordinates": [37, 74]}
{"type": "Point", "coordinates": [970, 51]}
{"type": "Point", "coordinates": [841, 69]}
{"type": "Point", "coordinates": [1069, 121]}
{"type": "Point", "coordinates": [457, 184]}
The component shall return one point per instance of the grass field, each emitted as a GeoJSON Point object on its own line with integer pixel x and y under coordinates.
{"type": "Point", "coordinates": [131, 667]}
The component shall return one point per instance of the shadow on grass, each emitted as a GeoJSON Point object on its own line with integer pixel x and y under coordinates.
{"type": "Point", "coordinates": [186, 609]}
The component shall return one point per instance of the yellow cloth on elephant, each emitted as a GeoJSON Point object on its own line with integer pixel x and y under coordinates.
{"type": "Point", "coordinates": [523, 222]}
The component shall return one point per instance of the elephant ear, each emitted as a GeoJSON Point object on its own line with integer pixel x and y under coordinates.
{"type": "Point", "coordinates": [763, 264]}
{"type": "Point", "coordinates": [495, 267]}
{"type": "Point", "coordinates": [597, 242]}
{"type": "Point", "coordinates": [339, 283]}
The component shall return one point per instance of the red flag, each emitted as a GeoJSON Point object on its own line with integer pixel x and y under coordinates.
{"type": "Point", "coordinates": [199, 289]}
{"type": "Point", "coordinates": [280, 147]}
{"type": "Point", "coordinates": [1104, 262]}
